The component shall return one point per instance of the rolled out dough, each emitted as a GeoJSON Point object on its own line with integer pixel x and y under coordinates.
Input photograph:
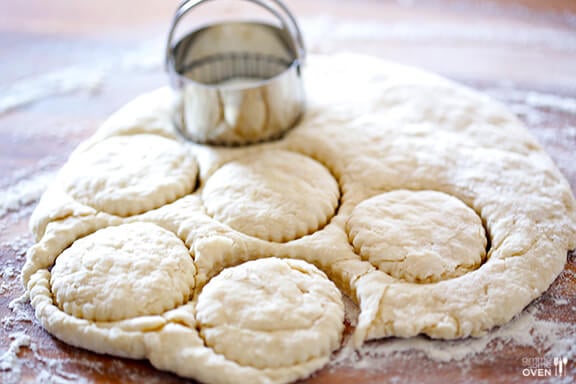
{"type": "Point", "coordinates": [427, 203]}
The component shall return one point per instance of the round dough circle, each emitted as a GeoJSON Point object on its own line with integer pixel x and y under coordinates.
{"type": "Point", "coordinates": [127, 175]}
{"type": "Point", "coordinates": [273, 195]}
{"type": "Point", "coordinates": [418, 236]}
{"type": "Point", "coordinates": [285, 312]}
{"type": "Point", "coordinates": [123, 272]}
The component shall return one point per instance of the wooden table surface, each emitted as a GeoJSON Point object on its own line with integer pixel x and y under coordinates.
{"type": "Point", "coordinates": [66, 65]}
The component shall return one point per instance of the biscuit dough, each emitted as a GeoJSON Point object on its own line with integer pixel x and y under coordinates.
{"type": "Point", "coordinates": [274, 195]}
{"type": "Point", "coordinates": [389, 163]}
{"type": "Point", "coordinates": [122, 272]}
{"type": "Point", "coordinates": [418, 236]}
{"type": "Point", "coordinates": [129, 174]}
{"type": "Point", "coordinates": [286, 311]}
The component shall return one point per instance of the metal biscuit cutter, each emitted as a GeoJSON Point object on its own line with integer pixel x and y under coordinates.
{"type": "Point", "coordinates": [237, 82]}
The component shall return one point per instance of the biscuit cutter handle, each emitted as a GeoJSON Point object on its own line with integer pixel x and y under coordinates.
{"type": "Point", "coordinates": [275, 7]}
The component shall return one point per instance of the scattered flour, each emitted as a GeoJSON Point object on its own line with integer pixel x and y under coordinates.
{"type": "Point", "coordinates": [561, 301]}
{"type": "Point", "coordinates": [9, 359]}
{"type": "Point", "coordinates": [24, 193]}
{"type": "Point", "coordinates": [534, 99]}
{"type": "Point", "coordinates": [64, 81]}
{"type": "Point", "coordinates": [545, 339]}
{"type": "Point", "coordinates": [13, 368]}
{"type": "Point", "coordinates": [78, 79]}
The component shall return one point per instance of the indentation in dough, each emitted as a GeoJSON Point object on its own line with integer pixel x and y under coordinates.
{"type": "Point", "coordinates": [418, 236]}
{"type": "Point", "coordinates": [274, 195]}
{"type": "Point", "coordinates": [127, 175]}
{"type": "Point", "coordinates": [122, 272]}
{"type": "Point", "coordinates": [271, 313]}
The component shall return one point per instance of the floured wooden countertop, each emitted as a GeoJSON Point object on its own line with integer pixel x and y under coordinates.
{"type": "Point", "coordinates": [65, 66]}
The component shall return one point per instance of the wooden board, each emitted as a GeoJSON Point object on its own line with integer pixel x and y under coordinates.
{"type": "Point", "coordinates": [521, 52]}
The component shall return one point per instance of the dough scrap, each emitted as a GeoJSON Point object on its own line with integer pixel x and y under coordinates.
{"type": "Point", "coordinates": [127, 175]}
{"type": "Point", "coordinates": [273, 195]}
{"type": "Point", "coordinates": [418, 236]}
{"type": "Point", "coordinates": [284, 312]}
{"type": "Point", "coordinates": [123, 272]}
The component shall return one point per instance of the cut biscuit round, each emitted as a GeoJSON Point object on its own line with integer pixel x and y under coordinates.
{"type": "Point", "coordinates": [271, 313]}
{"type": "Point", "coordinates": [127, 175]}
{"type": "Point", "coordinates": [123, 272]}
{"type": "Point", "coordinates": [273, 195]}
{"type": "Point", "coordinates": [418, 236]}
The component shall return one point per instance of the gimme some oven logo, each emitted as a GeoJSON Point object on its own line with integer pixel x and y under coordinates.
{"type": "Point", "coordinates": [544, 366]}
